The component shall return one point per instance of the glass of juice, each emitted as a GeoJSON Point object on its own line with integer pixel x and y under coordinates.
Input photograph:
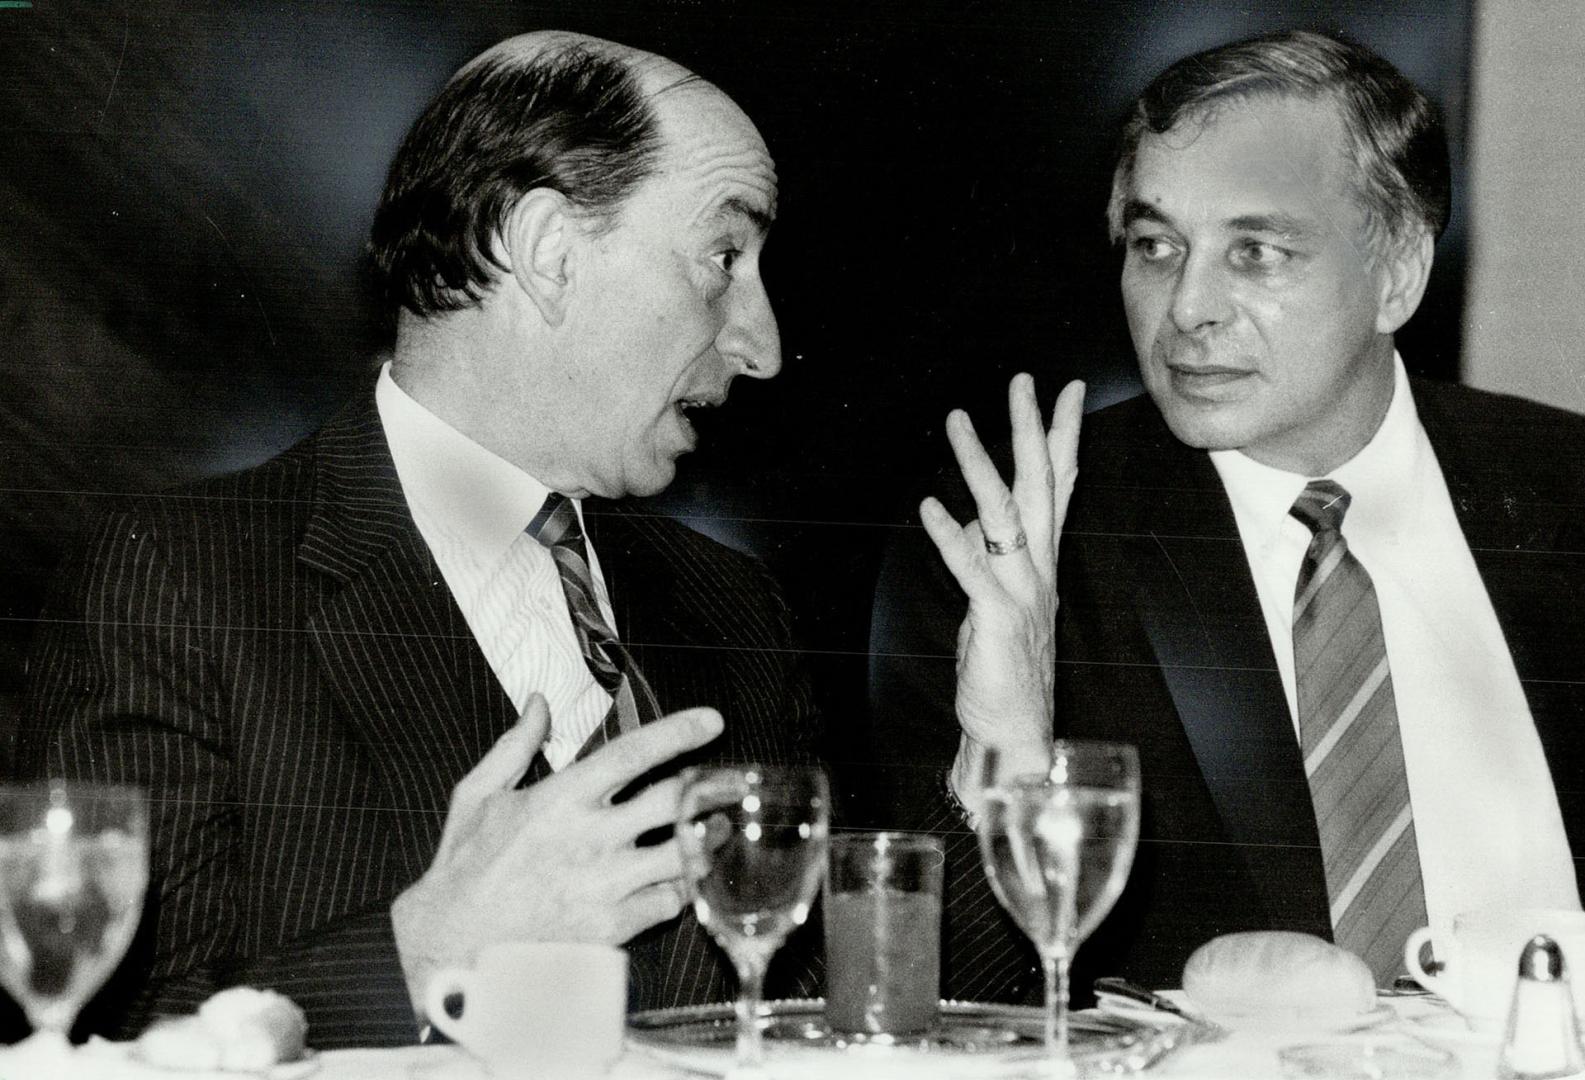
{"type": "Point", "coordinates": [883, 934]}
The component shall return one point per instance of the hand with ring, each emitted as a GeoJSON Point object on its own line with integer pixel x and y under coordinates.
{"type": "Point", "coordinates": [1007, 547]}
{"type": "Point", "coordinates": [1006, 562]}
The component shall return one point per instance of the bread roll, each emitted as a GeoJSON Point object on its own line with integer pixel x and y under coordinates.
{"type": "Point", "coordinates": [237, 1030]}
{"type": "Point", "coordinates": [1275, 976]}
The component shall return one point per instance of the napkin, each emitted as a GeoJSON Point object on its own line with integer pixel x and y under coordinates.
{"type": "Point", "coordinates": [100, 1059]}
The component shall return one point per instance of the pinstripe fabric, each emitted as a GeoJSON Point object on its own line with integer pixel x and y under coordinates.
{"type": "Point", "coordinates": [275, 656]}
{"type": "Point", "coordinates": [1348, 730]}
{"type": "Point", "coordinates": [985, 956]}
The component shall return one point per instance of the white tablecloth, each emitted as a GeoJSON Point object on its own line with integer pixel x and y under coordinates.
{"type": "Point", "coordinates": [1244, 1055]}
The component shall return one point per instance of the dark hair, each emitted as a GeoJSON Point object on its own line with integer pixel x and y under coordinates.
{"type": "Point", "coordinates": [1397, 143]}
{"type": "Point", "coordinates": [571, 120]}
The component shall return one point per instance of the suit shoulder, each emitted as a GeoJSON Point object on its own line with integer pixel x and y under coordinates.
{"type": "Point", "coordinates": [684, 545]}
{"type": "Point", "coordinates": [1473, 406]}
{"type": "Point", "coordinates": [269, 499]}
{"type": "Point", "coordinates": [1114, 437]}
{"type": "Point", "coordinates": [1488, 431]}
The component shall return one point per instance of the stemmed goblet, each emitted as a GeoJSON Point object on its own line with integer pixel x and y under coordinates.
{"type": "Point", "coordinates": [753, 842]}
{"type": "Point", "coordinates": [1057, 849]}
{"type": "Point", "coordinates": [74, 864]}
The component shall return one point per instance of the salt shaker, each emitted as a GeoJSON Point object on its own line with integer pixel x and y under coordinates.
{"type": "Point", "coordinates": [1542, 1040]}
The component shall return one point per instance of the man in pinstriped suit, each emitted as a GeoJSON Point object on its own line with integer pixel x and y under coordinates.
{"type": "Point", "coordinates": [334, 671]}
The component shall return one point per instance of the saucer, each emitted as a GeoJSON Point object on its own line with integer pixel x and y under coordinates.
{"type": "Point", "coordinates": [1288, 1024]}
{"type": "Point", "coordinates": [1448, 1028]}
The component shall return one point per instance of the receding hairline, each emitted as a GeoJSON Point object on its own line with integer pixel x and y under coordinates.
{"type": "Point", "coordinates": [653, 73]}
{"type": "Point", "coordinates": [1215, 109]}
{"type": "Point", "coordinates": [656, 79]}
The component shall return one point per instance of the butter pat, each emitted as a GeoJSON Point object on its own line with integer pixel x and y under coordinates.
{"type": "Point", "coordinates": [237, 1030]}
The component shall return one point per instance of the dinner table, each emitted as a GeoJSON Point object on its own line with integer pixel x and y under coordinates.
{"type": "Point", "coordinates": [1421, 1026]}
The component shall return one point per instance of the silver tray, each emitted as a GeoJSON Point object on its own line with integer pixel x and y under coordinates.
{"type": "Point", "coordinates": [996, 1038]}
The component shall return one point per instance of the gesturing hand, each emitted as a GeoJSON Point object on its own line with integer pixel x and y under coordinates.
{"type": "Point", "coordinates": [1006, 561]}
{"type": "Point", "coordinates": [556, 861]}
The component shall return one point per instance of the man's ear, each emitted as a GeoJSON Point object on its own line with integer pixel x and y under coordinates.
{"type": "Point", "coordinates": [1406, 267]}
{"type": "Point", "coordinates": [537, 241]}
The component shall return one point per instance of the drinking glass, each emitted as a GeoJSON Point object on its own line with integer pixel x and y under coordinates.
{"type": "Point", "coordinates": [753, 841]}
{"type": "Point", "coordinates": [74, 864]}
{"type": "Point", "coordinates": [883, 934]}
{"type": "Point", "coordinates": [1057, 849]}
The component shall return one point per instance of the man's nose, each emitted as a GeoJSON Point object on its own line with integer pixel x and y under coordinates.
{"type": "Point", "coordinates": [750, 340]}
{"type": "Point", "coordinates": [1200, 298]}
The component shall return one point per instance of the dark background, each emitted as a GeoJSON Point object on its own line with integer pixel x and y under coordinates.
{"type": "Point", "coordinates": [185, 189]}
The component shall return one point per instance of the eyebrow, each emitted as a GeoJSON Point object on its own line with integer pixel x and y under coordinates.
{"type": "Point", "coordinates": [1139, 210]}
{"type": "Point", "coordinates": [1277, 223]}
{"type": "Point", "coordinates": [737, 206]}
{"type": "Point", "coordinates": [1280, 224]}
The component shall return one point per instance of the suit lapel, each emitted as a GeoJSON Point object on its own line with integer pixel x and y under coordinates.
{"type": "Point", "coordinates": [1497, 507]}
{"type": "Point", "coordinates": [662, 627]}
{"type": "Point", "coordinates": [657, 619]}
{"type": "Point", "coordinates": [1518, 533]}
{"type": "Point", "coordinates": [392, 642]}
{"type": "Point", "coordinates": [1201, 614]}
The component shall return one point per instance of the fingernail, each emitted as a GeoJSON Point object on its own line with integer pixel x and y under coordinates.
{"type": "Point", "coordinates": [710, 723]}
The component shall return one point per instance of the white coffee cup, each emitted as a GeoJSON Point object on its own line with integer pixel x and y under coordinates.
{"type": "Point", "coordinates": [1480, 956]}
{"type": "Point", "coordinates": [536, 1009]}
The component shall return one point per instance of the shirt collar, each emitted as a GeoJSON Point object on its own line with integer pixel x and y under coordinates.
{"type": "Point", "coordinates": [481, 499]}
{"type": "Point", "coordinates": [1384, 478]}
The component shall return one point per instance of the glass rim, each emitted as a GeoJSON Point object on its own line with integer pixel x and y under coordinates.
{"type": "Point", "coordinates": [772, 772]}
{"type": "Point", "coordinates": [1025, 783]}
{"type": "Point", "coordinates": [890, 839]}
{"type": "Point", "coordinates": [1128, 748]}
{"type": "Point", "coordinates": [86, 789]}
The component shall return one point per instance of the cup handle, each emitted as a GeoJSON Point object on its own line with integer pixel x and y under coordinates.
{"type": "Point", "coordinates": [442, 985]}
{"type": "Point", "coordinates": [1411, 959]}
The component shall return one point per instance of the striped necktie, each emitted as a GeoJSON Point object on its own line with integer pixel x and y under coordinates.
{"type": "Point", "coordinates": [1353, 756]}
{"type": "Point", "coordinates": [613, 667]}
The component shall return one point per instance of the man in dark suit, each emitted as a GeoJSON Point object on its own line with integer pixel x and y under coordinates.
{"type": "Point", "coordinates": [1331, 605]}
{"type": "Point", "coordinates": [334, 671]}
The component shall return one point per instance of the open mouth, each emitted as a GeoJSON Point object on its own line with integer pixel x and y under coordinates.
{"type": "Point", "coordinates": [690, 410]}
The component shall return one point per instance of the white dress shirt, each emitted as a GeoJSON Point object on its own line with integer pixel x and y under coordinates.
{"type": "Point", "coordinates": [471, 508]}
{"type": "Point", "coordinates": [1485, 811]}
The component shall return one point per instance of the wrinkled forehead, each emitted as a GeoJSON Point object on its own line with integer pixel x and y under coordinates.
{"type": "Point", "coordinates": [710, 142]}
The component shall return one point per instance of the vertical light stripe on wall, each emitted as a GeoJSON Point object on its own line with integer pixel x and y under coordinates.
{"type": "Point", "coordinates": [1525, 316]}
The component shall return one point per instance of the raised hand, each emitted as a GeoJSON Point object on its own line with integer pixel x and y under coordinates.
{"type": "Point", "coordinates": [1006, 561]}
{"type": "Point", "coordinates": [556, 861]}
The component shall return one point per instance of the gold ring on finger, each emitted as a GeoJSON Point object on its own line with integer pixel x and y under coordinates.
{"type": "Point", "coordinates": [1007, 547]}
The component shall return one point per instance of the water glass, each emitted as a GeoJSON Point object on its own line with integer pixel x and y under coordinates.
{"type": "Point", "coordinates": [1057, 850]}
{"type": "Point", "coordinates": [883, 934]}
{"type": "Point", "coordinates": [74, 865]}
{"type": "Point", "coordinates": [753, 843]}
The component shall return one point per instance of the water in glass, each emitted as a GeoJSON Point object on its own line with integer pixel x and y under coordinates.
{"type": "Point", "coordinates": [1057, 849]}
{"type": "Point", "coordinates": [73, 870]}
{"type": "Point", "coordinates": [753, 843]}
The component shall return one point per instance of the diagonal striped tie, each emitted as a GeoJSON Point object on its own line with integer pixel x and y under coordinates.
{"type": "Point", "coordinates": [613, 667]}
{"type": "Point", "coordinates": [1353, 756]}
